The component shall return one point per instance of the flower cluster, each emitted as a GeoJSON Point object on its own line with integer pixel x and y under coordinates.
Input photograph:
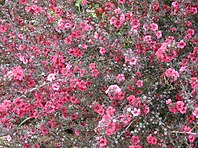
{"type": "Point", "coordinates": [79, 73]}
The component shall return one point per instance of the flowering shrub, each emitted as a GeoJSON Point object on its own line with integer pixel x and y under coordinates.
{"type": "Point", "coordinates": [99, 73]}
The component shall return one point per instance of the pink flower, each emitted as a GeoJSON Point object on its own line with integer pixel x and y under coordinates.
{"type": "Point", "coordinates": [37, 9]}
{"type": "Point", "coordinates": [102, 50]}
{"type": "Point", "coordinates": [136, 112]}
{"type": "Point", "coordinates": [135, 140]}
{"type": "Point", "coordinates": [151, 139]}
{"type": "Point", "coordinates": [76, 34]}
{"type": "Point", "coordinates": [58, 11]}
{"type": "Point", "coordinates": [3, 29]}
{"type": "Point", "coordinates": [113, 88]}
{"type": "Point", "coordinates": [194, 82]}
{"type": "Point", "coordinates": [156, 6]}
{"type": "Point", "coordinates": [133, 100]}
{"type": "Point", "coordinates": [180, 105]}
{"type": "Point", "coordinates": [191, 138]}
{"type": "Point", "coordinates": [55, 86]}
{"type": "Point", "coordinates": [84, 46]}
{"type": "Point", "coordinates": [92, 66]}
{"type": "Point", "coordinates": [18, 102]}
{"type": "Point", "coordinates": [146, 109]}
{"type": "Point", "coordinates": [175, 4]}
{"type": "Point", "coordinates": [44, 131]}
{"type": "Point", "coordinates": [130, 60]}
{"type": "Point", "coordinates": [49, 107]}
{"type": "Point", "coordinates": [117, 24]}
{"type": "Point", "coordinates": [139, 83]}
{"type": "Point", "coordinates": [183, 111]}
{"type": "Point", "coordinates": [111, 128]}
{"type": "Point", "coordinates": [135, 23]}
{"type": "Point", "coordinates": [20, 36]}
{"type": "Point", "coordinates": [68, 25]}
{"type": "Point", "coordinates": [190, 31]}
{"type": "Point", "coordinates": [172, 108]}
{"type": "Point", "coordinates": [108, 6]}
{"type": "Point", "coordinates": [172, 74]}
{"type": "Point", "coordinates": [122, 17]}
{"type": "Point", "coordinates": [121, 1]}
{"type": "Point", "coordinates": [99, 109]}
{"type": "Point", "coordinates": [36, 146]}
{"type": "Point", "coordinates": [147, 38]}
{"type": "Point", "coordinates": [120, 77]}
{"type": "Point", "coordinates": [94, 73]}
{"type": "Point", "coordinates": [68, 40]}
{"type": "Point", "coordinates": [74, 116]}
{"type": "Point", "coordinates": [168, 101]}
{"type": "Point", "coordinates": [105, 119]}
{"type": "Point", "coordinates": [75, 52]}
{"type": "Point", "coordinates": [125, 119]}
{"type": "Point", "coordinates": [102, 142]}
{"type": "Point", "coordinates": [191, 119]}
{"type": "Point", "coordinates": [135, 146]}
{"type": "Point", "coordinates": [82, 85]}
{"type": "Point", "coordinates": [153, 27]}
{"type": "Point", "coordinates": [159, 34]}
{"type": "Point", "coordinates": [181, 44]}
{"type": "Point", "coordinates": [195, 112]}
{"type": "Point", "coordinates": [18, 73]}
{"type": "Point", "coordinates": [110, 111]}
{"type": "Point", "coordinates": [23, 2]}
{"type": "Point", "coordinates": [74, 100]}
{"type": "Point", "coordinates": [146, 27]}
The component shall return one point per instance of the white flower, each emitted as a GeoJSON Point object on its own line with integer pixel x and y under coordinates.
{"type": "Point", "coordinates": [113, 88]}
{"type": "Point", "coordinates": [136, 112]}
{"type": "Point", "coordinates": [51, 77]}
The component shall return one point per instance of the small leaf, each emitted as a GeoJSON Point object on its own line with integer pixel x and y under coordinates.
{"type": "Point", "coordinates": [25, 121]}
{"type": "Point", "coordinates": [2, 2]}
{"type": "Point", "coordinates": [78, 4]}
{"type": "Point", "coordinates": [51, 12]}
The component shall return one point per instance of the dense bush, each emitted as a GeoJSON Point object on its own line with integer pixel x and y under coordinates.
{"type": "Point", "coordinates": [99, 73]}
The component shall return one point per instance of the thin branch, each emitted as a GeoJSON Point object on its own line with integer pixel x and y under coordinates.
{"type": "Point", "coordinates": [126, 128]}
{"type": "Point", "coordinates": [177, 132]}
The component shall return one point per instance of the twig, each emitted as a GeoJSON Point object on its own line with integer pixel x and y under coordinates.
{"type": "Point", "coordinates": [126, 128]}
{"type": "Point", "coordinates": [24, 121]}
{"type": "Point", "coordinates": [177, 132]}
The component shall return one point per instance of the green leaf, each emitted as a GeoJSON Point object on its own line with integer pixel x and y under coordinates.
{"type": "Point", "coordinates": [51, 12]}
{"type": "Point", "coordinates": [77, 4]}
{"type": "Point", "coordinates": [93, 14]}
